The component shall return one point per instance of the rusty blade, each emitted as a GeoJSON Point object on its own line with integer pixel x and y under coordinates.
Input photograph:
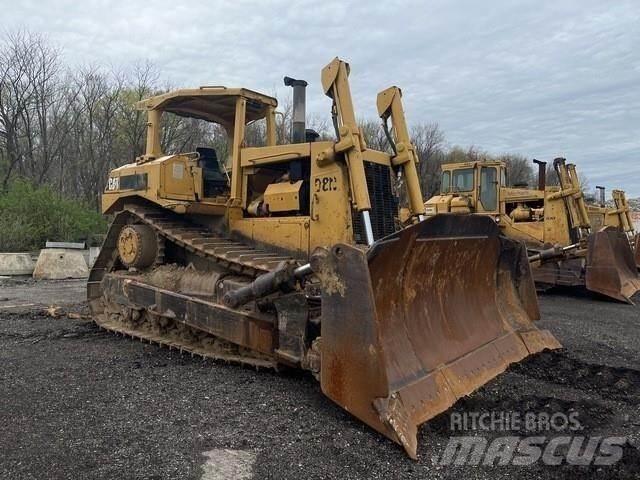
{"type": "Point", "coordinates": [427, 316]}
{"type": "Point", "coordinates": [611, 266]}
{"type": "Point", "coordinates": [636, 249]}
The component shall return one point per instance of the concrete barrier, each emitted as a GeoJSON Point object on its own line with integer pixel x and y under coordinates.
{"type": "Point", "coordinates": [60, 263]}
{"type": "Point", "coordinates": [93, 255]}
{"type": "Point", "coordinates": [16, 264]}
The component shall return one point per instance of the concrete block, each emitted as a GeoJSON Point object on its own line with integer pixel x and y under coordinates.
{"type": "Point", "coordinates": [93, 254]}
{"type": "Point", "coordinates": [60, 263]}
{"type": "Point", "coordinates": [16, 264]}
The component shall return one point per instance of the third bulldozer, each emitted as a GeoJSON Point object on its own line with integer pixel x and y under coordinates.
{"type": "Point", "coordinates": [618, 216]}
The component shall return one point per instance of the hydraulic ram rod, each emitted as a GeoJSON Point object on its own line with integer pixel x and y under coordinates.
{"type": "Point", "coordinates": [552, 253]}
{"type": "Point", "coordinates": [283, 278]}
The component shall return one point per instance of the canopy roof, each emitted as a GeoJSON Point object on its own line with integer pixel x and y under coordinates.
{"type": "Point", "coordinates": [213, 104]}
{"type": "Point", "coordinates": [472, 164]}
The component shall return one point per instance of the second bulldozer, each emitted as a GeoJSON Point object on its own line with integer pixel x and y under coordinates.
{"type": "Point", "coordinates": [290, 257]}
{"type": "Point", "coordinates": [552, 221]}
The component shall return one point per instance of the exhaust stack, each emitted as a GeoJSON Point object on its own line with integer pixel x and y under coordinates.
{"type": "Point", "coordinates": [542, 174]}
{"type": "Point", "coordinates": [298, 130]}
{"type": "Point", "coordinates": [601, 195]}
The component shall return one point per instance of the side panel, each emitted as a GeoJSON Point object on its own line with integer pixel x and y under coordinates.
{"type": "Point", "coordinates": [528, 232]}
{"type": "Point", "coordinates": [177, 181]}
{"type": "Point", "coordinates": [330, 205]}
{"type": "Point", "coordinates": [114, 191]}
{"type": "Point", "coordinates": [167, 180]}
{"type": "Point", "coordinates": [438, 204]}
{"type": "Point", "coordinates": [556, 224]}
{"type": "Point", "coordinates": [288, 233]}
{"type": "Point", "coordinates": [597, 216]}
{"type": "Point", "coordinates": [609, 220]}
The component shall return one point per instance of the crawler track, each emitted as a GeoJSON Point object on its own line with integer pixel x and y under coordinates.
{"type": "Point", "coordinates": [119, 327]}
{"type": "Point", "coordinates": [234, 256]}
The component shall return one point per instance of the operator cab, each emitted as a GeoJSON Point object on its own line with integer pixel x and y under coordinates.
{"type": "Point", "coordinates": [194, 180]}
{"type": "Point", "coordinates": [478, 182]}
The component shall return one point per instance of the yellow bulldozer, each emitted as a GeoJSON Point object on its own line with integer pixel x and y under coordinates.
{"type": "Point", "coordinates": [552, 221]}
{"type": "Point", "coordinates": [618, 216]}
{"type": "Point", "coordinates": [289, 256]}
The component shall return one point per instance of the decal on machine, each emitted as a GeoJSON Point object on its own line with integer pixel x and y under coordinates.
{"type": "Point", "coordinates": [113, 183]}
{"type": "Point", "coordinates": [178, 171]}
{"type": "Point", "coordinates": [326, 184]}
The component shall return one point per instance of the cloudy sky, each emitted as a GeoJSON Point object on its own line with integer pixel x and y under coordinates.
{"type": "Point", "coordinates": [541, 78]}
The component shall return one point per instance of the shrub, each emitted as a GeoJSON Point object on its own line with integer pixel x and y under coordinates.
{"type": "Point", "coordinates": [29, 216]}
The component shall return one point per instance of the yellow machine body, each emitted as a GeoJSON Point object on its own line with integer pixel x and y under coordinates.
{"type": "Point", "coordinates": [290, 255]}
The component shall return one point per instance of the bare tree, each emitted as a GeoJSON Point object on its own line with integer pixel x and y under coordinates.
{"type": "Point", "coordinates": [255, 134]}
{"type": "Point", "coordinates": [553, 180]}
{"type": "Point", "coordinates": [35, 106]}
{"type": "Point", "coordinates": [141, 82]}
{"type": "Point", "coordinates": [90, 155]}
{"type": "Point", "coordinates": [15, 99]}
{"type": "Point", "coordinates": [519, 169]}
{"type": "Point", "coordinates": [428, 140]}
{"type": "Point", "coordinates": [320, 125]}
{"type": "Point", "coordinates": [374, 135]}
{"type": "Point", "coordinates": [284, 121]}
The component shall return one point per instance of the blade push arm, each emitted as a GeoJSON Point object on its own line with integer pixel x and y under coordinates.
{"type": "Point", "coordinates": [335, 82]}
{"type": "Point", "coordinates": [390, 106]}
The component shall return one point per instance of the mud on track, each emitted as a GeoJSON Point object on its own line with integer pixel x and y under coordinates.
{"type": "Point", "coordinates": [78, 402]}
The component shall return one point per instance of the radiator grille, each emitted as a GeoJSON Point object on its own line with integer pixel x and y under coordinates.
{"type": "Point", "coordinates": [384, 206]}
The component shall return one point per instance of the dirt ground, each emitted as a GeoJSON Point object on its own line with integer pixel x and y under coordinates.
{"type": "Point", "coordinates": [77, 402]}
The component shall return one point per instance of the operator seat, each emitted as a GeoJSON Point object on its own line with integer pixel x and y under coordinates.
{"type": "Point", "coordinates": [214, 179]}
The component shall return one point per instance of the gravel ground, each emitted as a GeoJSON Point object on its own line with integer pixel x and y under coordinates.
{"type": "Point", "coordinates": [79, 403]}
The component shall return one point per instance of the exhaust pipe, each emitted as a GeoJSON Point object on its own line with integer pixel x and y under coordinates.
{"type": "Point", "coordinates": [542, 174]}
{"type": "Point", "coordinates": [298, 130]}
{"type": "Point", "coordinates": [601, 195]}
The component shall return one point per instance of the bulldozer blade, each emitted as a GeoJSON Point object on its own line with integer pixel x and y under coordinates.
{"type": "Point", "coordinates": [611, 266]}
{"type": "Point", "coordinates": [425, 317]}
{"type": "Point", "coordinates": [636, 249]}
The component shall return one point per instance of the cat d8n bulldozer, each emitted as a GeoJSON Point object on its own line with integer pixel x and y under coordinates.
{"type": "Point", "coordinates": [618, 216]}
{"type": "Point", "coordinates": [289, 257]}
{"type": "Point", "coordinates": [552, 221]}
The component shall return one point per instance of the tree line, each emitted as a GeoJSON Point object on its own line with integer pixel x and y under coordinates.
{"type": "Point", "coordinates": [67, 128]}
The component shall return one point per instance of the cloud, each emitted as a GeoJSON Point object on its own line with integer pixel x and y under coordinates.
{"type": "Point", "coordinates": [539, 78]}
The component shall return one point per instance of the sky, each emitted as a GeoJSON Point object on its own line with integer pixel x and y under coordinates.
{"type": "Point", "coordinates": [540, 78]}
